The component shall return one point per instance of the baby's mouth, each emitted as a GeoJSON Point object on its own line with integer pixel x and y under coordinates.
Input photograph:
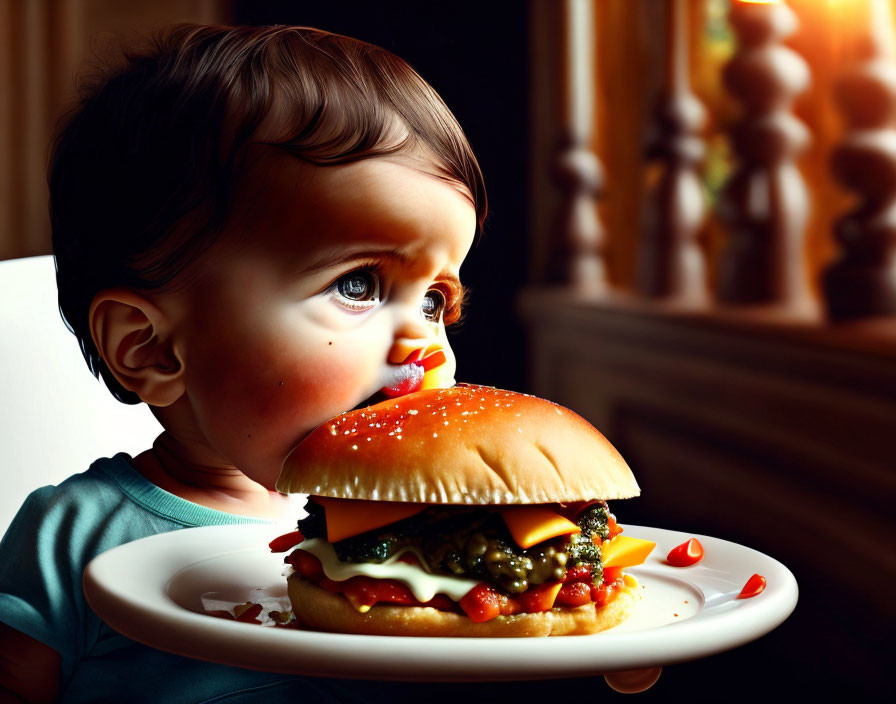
{"type": "Point", "coordinates": [405, 378]}
{"type": "Point", "coordinates": [398, 380]}
{"type": "Point", "coordinates": [419, 370]}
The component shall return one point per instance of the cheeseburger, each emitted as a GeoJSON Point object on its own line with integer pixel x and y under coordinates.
{"type": "Point", "coordinates": [467, 511]}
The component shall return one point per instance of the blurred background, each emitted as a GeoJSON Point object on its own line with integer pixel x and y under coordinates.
{"type": "Point", "coordinates": [691, 242]}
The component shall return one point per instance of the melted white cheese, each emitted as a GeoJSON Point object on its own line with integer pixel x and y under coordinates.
{"type": "Point", "coordinates": [423, 585]}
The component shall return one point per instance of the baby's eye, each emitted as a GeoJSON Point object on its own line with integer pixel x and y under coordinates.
{"type": "Point", "coordinates": [433, 305]}
{"type": "Point", "coordinates": [358, 290]}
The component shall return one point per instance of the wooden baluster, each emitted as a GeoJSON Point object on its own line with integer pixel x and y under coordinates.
{"type": "Point", "coordinates": [576, 259]}
{"type": "Point", "coordinates": [670, 262]}
{"type": "Point", "coordinates": [862, 282]}
{"type": "Point", "coordinates": [765, 203]}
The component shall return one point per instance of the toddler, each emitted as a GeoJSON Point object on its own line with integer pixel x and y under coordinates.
{"type": "Point", "coordinates": [253, 229]}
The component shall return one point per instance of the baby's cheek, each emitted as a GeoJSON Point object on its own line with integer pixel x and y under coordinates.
{"type": "Point", "coordinates": [309, 389]}
{"type": "Point", "coordinates": [295, 390]}
{"type": "Point", "coordinates": [335, 378]}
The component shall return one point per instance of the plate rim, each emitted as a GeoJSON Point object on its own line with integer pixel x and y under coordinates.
{"type": "Point", "coordinates": [156, 622]}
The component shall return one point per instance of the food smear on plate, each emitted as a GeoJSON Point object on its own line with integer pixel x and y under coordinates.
{"type": "Point", "coordinates": [462, 511]}
{"type": "Point", "coordinates": [688, 553]}
{"type": "Point", "coordinates": [754, 586]}
{"type": "Point", "coordinates": [268, 610]}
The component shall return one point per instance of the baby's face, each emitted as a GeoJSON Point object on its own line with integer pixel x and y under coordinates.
{"type": "Point", "coordinates": [324, 275]}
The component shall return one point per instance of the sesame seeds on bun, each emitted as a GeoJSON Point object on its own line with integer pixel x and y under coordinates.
{"type": "Point", "coordinates": [468, 444]}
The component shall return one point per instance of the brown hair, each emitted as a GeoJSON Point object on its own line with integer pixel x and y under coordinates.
{"type": "Point", "coordinates": [143, 169]}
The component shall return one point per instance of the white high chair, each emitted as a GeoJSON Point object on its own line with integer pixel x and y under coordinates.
{"type": "Point", "coordinates": [55, 417]}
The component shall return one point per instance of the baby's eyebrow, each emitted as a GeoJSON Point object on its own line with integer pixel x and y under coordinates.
{"type": "Point", "coordinates": [342, 257]}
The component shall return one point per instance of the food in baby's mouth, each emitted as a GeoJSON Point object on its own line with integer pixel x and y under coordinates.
{"type": "Point", "coordinates": [422, 369]}
{"type": "Point", "coordinates": [468, 511]}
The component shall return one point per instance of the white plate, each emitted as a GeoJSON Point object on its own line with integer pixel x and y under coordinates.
{"type": "Point", "coordinates": [150, 591]}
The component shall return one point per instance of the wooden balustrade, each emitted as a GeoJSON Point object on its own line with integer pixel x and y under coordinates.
{"type": "Point", "coordinates": [576, 258]}
{"type": "Point", "coordinates": [764, 207]}
{"type": "Point", "coordinates": [765, 204]}
{"type": "Point", "coordinates": [670, 262]}
{"type": "Point", "coordinates": [862, 282]}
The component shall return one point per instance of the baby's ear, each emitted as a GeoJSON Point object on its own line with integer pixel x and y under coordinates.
{"type": "Point", "coordinates": [134, 338]}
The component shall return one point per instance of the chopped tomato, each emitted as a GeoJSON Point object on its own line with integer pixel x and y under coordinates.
{"type": "Point", "coordinates": [481, 603]}
{"type": "Point", "coordinates": [601, 595]}
{"type": "Point", "coordinates": [539, 597]}
{"type": "Point", "coordinates": [285, 542]}
{"type": "Point", "coordinates": [574, 594]}
{"type": "Point", "coordinates": [367, 591]}
{"type": "Point", "coordinates": [688, 553]}
{"type": "Point", "coordinates": [440, 602]}
{"type": "Point", "coordinates": [306, 565]}
{"type": "Point", "coordinates": [755, 585]}
{"type": "Point", "coordinates": [581, 573]}
{"type": "Point", "coordinates": [611, 574]}
{"type": "Point", "coordinates": [509, 606]}
{"type": "Point", "coordinates": [613, 526]}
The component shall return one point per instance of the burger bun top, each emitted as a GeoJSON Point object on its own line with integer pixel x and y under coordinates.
{"type": "Point", "coordinates": [468, 444]}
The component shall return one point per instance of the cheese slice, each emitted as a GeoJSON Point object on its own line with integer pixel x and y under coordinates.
{"type": "Point", "coordinates": [349, 517]}
{"type": "Point", "coordinates": [530, 525]}
{"type": "Point", "coordinates": [623, 551]}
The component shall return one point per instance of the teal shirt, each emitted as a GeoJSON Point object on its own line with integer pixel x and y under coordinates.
{"type": "Point", "coordinates": [43, 554]}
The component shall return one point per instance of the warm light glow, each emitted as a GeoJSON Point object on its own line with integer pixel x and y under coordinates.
{"type": "Point", "coordinates": [861, 21]}
{"type": "Point", "coordinates": [851, 8]}
{"type": "Point", "coordinates": [847, 6]}
{"type": "Point", "coordinates": [760, 2]}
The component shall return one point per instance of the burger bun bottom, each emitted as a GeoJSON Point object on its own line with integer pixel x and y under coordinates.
{"type": "Point", "coordinates": [318, 609]}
